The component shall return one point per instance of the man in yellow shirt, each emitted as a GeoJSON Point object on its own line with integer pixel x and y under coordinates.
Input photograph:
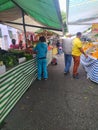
{"type": "Point", "coordinates": [76, 53]}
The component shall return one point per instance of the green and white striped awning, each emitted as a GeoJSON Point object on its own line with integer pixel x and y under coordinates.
{"type": "Point", "coordinates": [14, 83]}
{"type": "Point", "coordinates": [41, 13]}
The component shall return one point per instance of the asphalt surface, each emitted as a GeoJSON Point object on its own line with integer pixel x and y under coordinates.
{"type": "Point", "coordinates": [60, 103]}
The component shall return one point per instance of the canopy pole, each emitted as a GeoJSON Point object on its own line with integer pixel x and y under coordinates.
{"type": "Point", "coordinates": [21, 24]}
{"type": "Point", "coordinates": [24, 27]}
{"type": "Point", "coordinates": [23, 19]}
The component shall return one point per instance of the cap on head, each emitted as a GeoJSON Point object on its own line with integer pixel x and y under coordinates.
{"type": "Point", "coordinates": [68, 35]}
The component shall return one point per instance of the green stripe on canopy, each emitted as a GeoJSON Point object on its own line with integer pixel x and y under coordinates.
{"type": "Point", "coordinates": [5, 5]}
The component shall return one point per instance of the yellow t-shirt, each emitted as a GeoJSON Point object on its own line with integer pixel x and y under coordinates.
{"type": "Point", "coordinates": [54, 51]}
{"type": "Point", "coordinates": [77, 44]}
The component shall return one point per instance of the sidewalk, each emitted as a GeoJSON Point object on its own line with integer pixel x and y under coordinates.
{"type": "Point", "coordinates": [60, 103]}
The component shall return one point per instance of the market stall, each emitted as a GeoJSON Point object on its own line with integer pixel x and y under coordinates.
{"type": "Point", "coordinates": [81, 19]}
{"type": "Point", "coordinates": [91, 63]}
{"type": "Point", "coordinates": [27, 16]}
{"type": "Point", "coordinates": [91, 67]}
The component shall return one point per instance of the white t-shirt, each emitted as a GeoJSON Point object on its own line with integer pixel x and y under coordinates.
{"type": "Point", "coordinates": [67, 45]}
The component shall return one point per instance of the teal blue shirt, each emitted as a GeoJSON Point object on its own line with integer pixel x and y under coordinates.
{"type": "Point", "coordinates": [41, 49]}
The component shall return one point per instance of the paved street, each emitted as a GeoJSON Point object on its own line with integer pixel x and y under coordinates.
{"type": "Point", "coordinates": [60, 103]}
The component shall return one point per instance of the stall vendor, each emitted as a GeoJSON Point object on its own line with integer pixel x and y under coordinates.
{"type": "Point", "coordinates": [14, 45]}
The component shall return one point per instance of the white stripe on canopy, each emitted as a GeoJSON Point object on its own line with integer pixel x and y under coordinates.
{"type": "Point", "coordinates": [81, 14]}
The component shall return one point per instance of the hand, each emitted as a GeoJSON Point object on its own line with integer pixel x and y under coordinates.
{"type": "Point", "coordinates": [86, 55]}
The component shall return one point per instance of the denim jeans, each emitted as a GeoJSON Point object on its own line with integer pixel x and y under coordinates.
{"type": "Point", "coordinates": [42, 68]}
{"type": "Point", "coordinates": [68, 59]}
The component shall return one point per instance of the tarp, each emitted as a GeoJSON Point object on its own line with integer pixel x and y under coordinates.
{"type": "Point", "coordinates": [81, 14]}
{"type": "Point", "coordinates": [42, 13]}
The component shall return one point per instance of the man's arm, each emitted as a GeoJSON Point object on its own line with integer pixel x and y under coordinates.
{"type": "Point", "coordinates": [81, 50]}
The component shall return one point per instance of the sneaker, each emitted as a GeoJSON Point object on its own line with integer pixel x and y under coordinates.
{"type": "Point", "coordinates": [45, 79]}
{"type": "Point", "coordinates": [75, 76]}
{"type": "Point", "coordinates": [38, 79]}
{"type": "Point", "coordinates": [65, 73]}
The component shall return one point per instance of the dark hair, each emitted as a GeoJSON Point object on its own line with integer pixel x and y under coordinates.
{"type": "Point", "coordinates": [13, 41]}
{"type": "Point", "coordinates": [79, 34]}
{"type": "Point", "coordinates": [42, 39]}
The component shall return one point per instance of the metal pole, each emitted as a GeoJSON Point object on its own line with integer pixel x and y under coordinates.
{"type": "Point", "coordinates": [24, 27]}
{"type": "Point", "coordinates": [21, 24]}
{"type": "Point", "coordinates": [23, 20]}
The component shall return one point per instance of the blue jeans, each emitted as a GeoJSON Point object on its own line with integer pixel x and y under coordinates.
{"type": "Point", "coordinates": [42, 68]}
{"type": "Point", "coordinates": [59, 51]}
{"type": "Point", "coordinates": [67, 59]}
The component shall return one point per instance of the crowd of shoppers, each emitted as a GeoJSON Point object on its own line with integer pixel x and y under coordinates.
{"type": "Point", "coordinates": [72, 48]}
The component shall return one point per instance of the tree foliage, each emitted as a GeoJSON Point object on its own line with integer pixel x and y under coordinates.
{"type": "Point", "coordinates": [64, 21]}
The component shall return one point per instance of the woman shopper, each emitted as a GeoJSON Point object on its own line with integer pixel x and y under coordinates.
{"type": "Point", "coordinates": [41, 50]}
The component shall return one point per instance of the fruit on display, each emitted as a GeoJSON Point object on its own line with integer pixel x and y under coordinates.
{"type": "Point", "coordinates": [86, 46]}
{"type": "Point", "coordinates": [93, 51]}
{"type": "Point", "coordinates": [95, 54]}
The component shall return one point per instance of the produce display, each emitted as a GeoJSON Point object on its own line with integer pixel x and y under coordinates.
{"type": "Point", "coordinates": [94, 51]}
{"type": "Point", "coordinates": [91, 49]}
{"type": "Point", "coordinates": [87, 46]}
{"type": "Point", "coordinates": [11, 57]}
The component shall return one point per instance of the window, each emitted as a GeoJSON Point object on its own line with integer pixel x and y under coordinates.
{"type": "Point", "coordinates": [0, 33]}
{"type": "Point", "coordinates": [10, 34]}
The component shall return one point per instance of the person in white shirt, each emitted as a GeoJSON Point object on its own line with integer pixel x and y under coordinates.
{"type": "Point", "coordinates": [67, 49]}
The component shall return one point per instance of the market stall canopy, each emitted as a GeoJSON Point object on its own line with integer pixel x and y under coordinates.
{"type": "Point", "coordinates": [38, 14]}
{"type": "Point", "coordinates": [81, 14]}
